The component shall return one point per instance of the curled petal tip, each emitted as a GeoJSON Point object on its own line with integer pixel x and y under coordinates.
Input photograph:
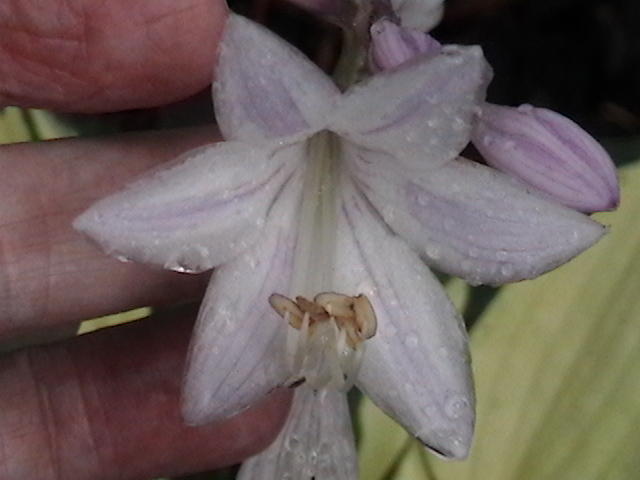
{"type": "Point", "coordinates": [393, 45]}
{"type": "Point", "coordinates": [550, 153]}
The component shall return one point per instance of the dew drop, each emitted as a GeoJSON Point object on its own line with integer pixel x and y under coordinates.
{"type": "Point", "coordinates": [432, 251]}
{"type": "Point", "coordinates": [177, 266]}
{"type": "Point", "coordinates": [293, 443]}
{"type": "Point", "coordinates": [506, 270]}
{"type": "Point", "coordinates": [488, 140]}
{"type": "Point", "coordinates": [456, 406]}
{"type": "Point", "coordinates": [509, 145]}
{"type": "Point", "coordinates": [411, 340]}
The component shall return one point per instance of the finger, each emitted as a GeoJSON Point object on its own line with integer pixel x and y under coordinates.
{"type": "Point", "coordinates": [49, 273]}
{"type": "Point", "coordinates": [88, 56]}
{"type": "Point", "coordinates": [106, 406]}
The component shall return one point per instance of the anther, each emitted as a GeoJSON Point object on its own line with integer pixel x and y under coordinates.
{"type": "Point", "coordinates": [354, 315]}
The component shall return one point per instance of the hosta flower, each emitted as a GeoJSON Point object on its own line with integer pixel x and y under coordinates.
{"type": "Point", "coordinates": [320, 213]}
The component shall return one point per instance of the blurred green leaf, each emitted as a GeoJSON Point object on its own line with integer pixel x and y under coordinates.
{"type": "Point", "coordinates": [414, 465]}
{"type": "Point", "coordinates": [49, 126]}
{"type": "Point", "coordinates": [13, 126]}
{"type": "Point", "coordinates": [556, 364]}
{"type": "Point", "coordinates": [112, 320]}
{"type": "Point", "coordinates": [28, 125]}
{"type": "Point", "coordinates": [382, 442]}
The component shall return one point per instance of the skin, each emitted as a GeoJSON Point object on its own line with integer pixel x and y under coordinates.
{"type": "Point", "coordinates": [103, 405]}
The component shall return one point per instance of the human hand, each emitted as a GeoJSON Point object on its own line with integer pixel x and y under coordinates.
{"type": "Point", "coordinates": [105, 405]}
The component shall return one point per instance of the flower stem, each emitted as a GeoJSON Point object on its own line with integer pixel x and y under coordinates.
{"type": "Point", "coordinates": [352, 62]}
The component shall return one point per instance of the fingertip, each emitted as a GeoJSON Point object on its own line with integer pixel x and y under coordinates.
{"type": "Point", "coordinates": [87, 56]}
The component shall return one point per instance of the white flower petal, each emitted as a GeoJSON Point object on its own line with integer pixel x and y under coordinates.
{"type": "Point", "coordinates": [416, 368]}
{"type": "Point", "coordinates": [204, 209]}
{"type": "Point", "coordinates": [474, 222]}
{"type": "Point", "coordinates": [237, 353]}
{"type": "Point", "coordinates": [265, 88]}
{"type": "Point", "coordinates": [315, 443]}
{"type": "Point", "coordinates": [421, 112]}
{"type": "Point", "coordinates": [419, 14]}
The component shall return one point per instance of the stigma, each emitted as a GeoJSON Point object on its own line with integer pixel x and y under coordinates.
{"type": "Point", "coordinates": [326, 341]}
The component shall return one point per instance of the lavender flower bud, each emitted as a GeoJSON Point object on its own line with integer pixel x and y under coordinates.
{"type": "Point", "coordinates": [550, 153]}
{"type": "Point", "coordinates": [392, 45]}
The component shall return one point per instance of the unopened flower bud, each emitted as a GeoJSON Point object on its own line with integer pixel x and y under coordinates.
{"type": "Point", "coordinates": [392, 45]}
{"type": "Point", "coordinates": [550, 153]}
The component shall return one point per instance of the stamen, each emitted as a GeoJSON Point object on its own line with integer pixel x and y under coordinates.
{"type": "Point", "coordinates": [324, 347]}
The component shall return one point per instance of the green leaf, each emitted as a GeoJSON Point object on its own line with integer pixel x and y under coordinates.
{"type": "Point", "coordinates": [94, 324]}
{"type": "Point", "coordinates": [50, 126]}
{"type": "Point", "coordinates": [414, 465]}
{"type": "Point", "coordinates": [382, 442]}
{"type": "Point", "coordinates": [556, 366]}
{"type": "Point", "coordinates": [13, 126]}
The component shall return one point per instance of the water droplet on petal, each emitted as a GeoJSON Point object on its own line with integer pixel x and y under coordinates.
{"type": "Point", "coordinates": [411, 340]}
{"type": "Point", "coordinates": [525, 108]}
{"type": "Point", "coordinates": [433, 252]}
{"type": "Point", "coordinates": [122, 258]}
{"type": "Point", "coordinates": [488, 140]}
{"type": "Point", "coordinates": [293, 443]}
{"type": "Point", "coordinates": [456, 406]}
{"type": "Point", "coordinates": [506, 270]}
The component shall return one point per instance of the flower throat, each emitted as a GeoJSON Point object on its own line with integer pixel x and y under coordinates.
{"type": "Point", "coordinates": [325, 341]}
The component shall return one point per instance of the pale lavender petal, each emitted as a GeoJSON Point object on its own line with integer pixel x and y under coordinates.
{"type": "Point", "coordinates": [265, 88]}
{"type": "Point", "coordinates": [237, 353]}
{"type": "Point", "coordinates": [474, 222]}
{"type": "Point", "coordinates": [416, 367]}
{"type": "Point", "coordinates": [549, 152]}
{"type": "Point", "coordinates": [315, 443]}
{"type": "Point", "coordinates": [207, 207]}
{"type": "Point", "coordinates": [392, 45]}
{"type": "Point", "coordinates": [420, 15]}
{"type": "Point", "coordinates": [421, 113]}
